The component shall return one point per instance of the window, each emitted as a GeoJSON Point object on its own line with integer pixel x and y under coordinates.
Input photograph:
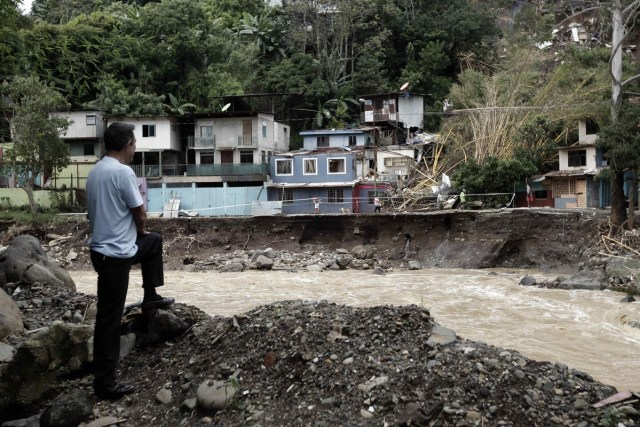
{"type": "Point", "coordinates": [336, 195]}
{"type": "Point", "coordinates": [206, 158]}
{"type": "Point", "coordinates": [89, 150]}
{"type": "Point", "coordinates": [206, 131]}
{"type": "Point", "coordinates": [336, 165]}
{"type": "Point", "coordinates": [563, 186]}
{"type": "Point", "coordinates": [246, 156]}
{"type": "Point", "coordinates": [286, 196]}
{"type": "Point", "coordinates": [310, 166]}
{"type": "Point", "coordinates": [284, 167]}
{"type": "Point", "coordinates": [264, 129]}
{"type": "Point", "coordinates": [396, 161]}
{"type": "Point", "coordinates": [591, 127]}
{"type": "Point", "coordinates": [578, 158]}
{"type": "Point", "coordinates": [323, 141]}
{"type": "Point", "coordinates": [352, 140]}
{"type": "Point", "coordinates": [148, 131]}
{"type": "Point", "coordinates": [91, 119]}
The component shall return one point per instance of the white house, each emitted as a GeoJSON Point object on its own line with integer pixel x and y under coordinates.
{"type": "Point", "coordinates": [157, 143]}
{"type": "Point", "coordinates": [226, 138]}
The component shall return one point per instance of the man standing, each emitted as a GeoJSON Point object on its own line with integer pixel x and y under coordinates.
{"type": "Point", "coordinates": [117, 219]}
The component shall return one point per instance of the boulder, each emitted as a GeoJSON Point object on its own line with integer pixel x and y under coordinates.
{"type": "Point", "coordinates": [164, 325]}
{"type": "Point", "coordinates": [39, 362]}
{"type": "Point", "coordinates": [214, 394]}
{"type": "Point", "coordinates": [363, 252]}
{"type": "Point", "coordinates": [68, 409]}
{"type": "Point", "coordinates": [528, 281]}
{"type": "Point", "coordinates": [25, 261]}
{"type": "Point", "coordinates": [586, 279]}
{"type": "Point", "coordinates": [10, 317]}
{"type": "Point", "coordinates": [264, 263]}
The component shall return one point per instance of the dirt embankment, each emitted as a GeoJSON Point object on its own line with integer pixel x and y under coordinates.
{"type": "Point", "coordinates": [518, 238]}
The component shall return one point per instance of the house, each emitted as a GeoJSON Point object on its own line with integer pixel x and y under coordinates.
{"type": "Point", "coordinates": [157, 144]}
{"type": "Point", "coordinates": [398, 115]}
{"type": "Point", "coordinates": [575, 185]}
{"type": "Point", "coordinates": [235, 144]}
{"type": "Point", "coordinates": [84, 138]}
{"type": "Point", "coordinates": [299, 177]}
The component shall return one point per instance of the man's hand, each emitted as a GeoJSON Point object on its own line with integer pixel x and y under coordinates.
{"type": "Point", "coordinates": [140, 218]}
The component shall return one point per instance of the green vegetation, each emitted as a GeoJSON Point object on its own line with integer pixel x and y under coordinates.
{"type": "Point", "coordinates": [513, 102]}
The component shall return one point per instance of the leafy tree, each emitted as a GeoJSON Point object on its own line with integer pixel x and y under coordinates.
{"type": "Point", "coordinates": [37, 149]}
{"type": "Point", "coordinates": [493, 175]}
{"type": "Point", "coordinates": [620, 142]}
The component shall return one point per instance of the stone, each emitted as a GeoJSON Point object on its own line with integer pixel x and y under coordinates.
{"type": "Point", "coordinates": [528, 281]}
{"type": "Point", "coordinates": [232, 267]}
{"type": "Point", "coordinates": [363, 252]}
{"type": "Point", "coordinates": [586, 279]}
{"type": "Point", "coordinates": [10, 316]}
{"type": "Point", "coordinates": [214, 394]}
{"type": "Point", "coordinates": [415, 265]}
{"type": "Point", "coordinates": [441, 336]}
{"type": "Point", "coordinates": [127, 344]}
{"type": "Point", "coordinates": [164, 396]}
{"type": "Point", "coordinates": [164, 325]}
{"type": "Point", "coordinates": [264, 263]}
{"type": "Point", "coordinates": [6, 353]}
{"type": "Point", "coordinates": [103, 422]}
{"type": "Point", "coordinates": [189, 404]}
{"type": "Point", "coordinates": [68, 409]}
{"type": "Point", "coordinates": [26, 261]}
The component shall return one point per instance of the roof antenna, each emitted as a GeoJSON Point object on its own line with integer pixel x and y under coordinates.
{"type": "Point", "coordinates": [403, 88]}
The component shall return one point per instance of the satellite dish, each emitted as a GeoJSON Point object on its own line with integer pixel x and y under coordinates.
{"type": "Point", "coordinates": [226, 107]}
{"type": "Point", "coordinates": [404, 86]}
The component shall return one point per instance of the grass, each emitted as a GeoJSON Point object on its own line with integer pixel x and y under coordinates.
{"type": "Point", "coordinates": [44, 218]}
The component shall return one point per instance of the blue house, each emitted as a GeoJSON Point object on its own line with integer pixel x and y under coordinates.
{"type": "Point", "coordinates": [327, 138]}
{"type": "Point", "coordinates": [300, 177]}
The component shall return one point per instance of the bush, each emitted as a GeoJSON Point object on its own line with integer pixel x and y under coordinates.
{"type": "Point", "coordinates": [492, 176]}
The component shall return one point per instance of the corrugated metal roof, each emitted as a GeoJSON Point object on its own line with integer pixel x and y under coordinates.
{"type": "Point", "coordinates": [577, 172]}
{"type": "Point", "coordinates": [312, 184]}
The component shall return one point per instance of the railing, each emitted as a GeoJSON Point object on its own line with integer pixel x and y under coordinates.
{"type": "Point", "coordinates": [153, 171]}
{"type": "Point", "coordinates": [247, 141]}
{"type": "Point", "coordinates": [203, 142]}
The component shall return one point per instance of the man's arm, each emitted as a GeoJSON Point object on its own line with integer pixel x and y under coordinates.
{"type": "Point", "coordinates": [140, 218]}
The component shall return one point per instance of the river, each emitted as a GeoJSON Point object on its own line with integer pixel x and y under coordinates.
{"type": "Point", "coordinates": [582, 329]}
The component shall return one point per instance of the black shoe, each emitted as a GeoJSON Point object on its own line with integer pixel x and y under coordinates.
{"type": "Point", "coordinates": [157, 303]}
{"type": "Point", "coordinates": [114, 392]}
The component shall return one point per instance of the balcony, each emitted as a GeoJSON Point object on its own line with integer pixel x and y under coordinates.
{"type": "Point", "coordinates": [202, 142]}
{"type": "Point", "coordinates": [247, 141]}
{"type": "Point", "coordinates": [231, 169]}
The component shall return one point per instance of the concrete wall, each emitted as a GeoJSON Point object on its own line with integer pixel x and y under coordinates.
{"type": "Point", "coordinates": [17, 197]}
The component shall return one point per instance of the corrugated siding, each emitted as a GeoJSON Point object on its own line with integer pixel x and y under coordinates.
{"type": "Point", "coordinates": [229, 201]}
{"type": "Point", "coordinates": [73, 176]}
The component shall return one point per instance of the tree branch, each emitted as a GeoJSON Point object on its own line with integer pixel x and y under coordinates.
{"type": "Point", "coordinates": [630, 79]}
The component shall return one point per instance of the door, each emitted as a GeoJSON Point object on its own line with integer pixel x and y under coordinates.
{"type": "Point", "coordinates": [226, 157]}
{"type": "Point", "coordinates": [246, 132]}
{"type": "Point", "coordinates": [581, 193]}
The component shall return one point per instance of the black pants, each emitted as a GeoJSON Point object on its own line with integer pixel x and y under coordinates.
{"type": "Point", "coordinates": [113, 282]}
{"type": "Point", "coordinates": [376, 209]}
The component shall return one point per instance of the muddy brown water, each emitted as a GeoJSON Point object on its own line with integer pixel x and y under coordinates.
{"type": "Point", "coordinates": [583, 329]}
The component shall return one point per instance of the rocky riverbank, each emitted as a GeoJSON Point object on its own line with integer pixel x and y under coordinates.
{"type": "Point", "coordinates": [306, 362]}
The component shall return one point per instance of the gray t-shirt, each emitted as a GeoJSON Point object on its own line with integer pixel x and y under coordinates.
{"type": "Point", "coordinates": [112, 190]}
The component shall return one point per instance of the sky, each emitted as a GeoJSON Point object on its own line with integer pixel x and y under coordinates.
{"type": "Point", "coordinates": [25, 6]}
